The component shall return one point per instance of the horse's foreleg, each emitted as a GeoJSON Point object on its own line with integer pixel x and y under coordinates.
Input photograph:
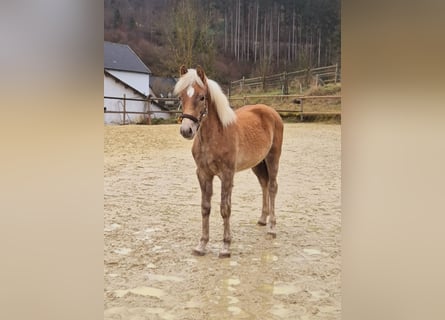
{"type": "Point", "coordinates": [226, 195]}
{"type": "Point", "coordinates": [206, 184]}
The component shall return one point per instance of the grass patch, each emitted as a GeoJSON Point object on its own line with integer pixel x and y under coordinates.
{"type": "Point", "coordinates": [327, 90]}
{"type": "Point", "coordinates": [156, 121]}
{"type": "Point", "coordinates": [334, 118]}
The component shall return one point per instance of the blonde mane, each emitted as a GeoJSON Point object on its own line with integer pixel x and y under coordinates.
{"type": "Point", "coordinates": [225, 114]}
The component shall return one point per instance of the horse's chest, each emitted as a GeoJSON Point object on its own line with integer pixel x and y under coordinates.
{"type": "Point", "coordinates": [213, 158]}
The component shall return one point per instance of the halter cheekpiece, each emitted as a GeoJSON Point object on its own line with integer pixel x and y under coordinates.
{"type": "Point", "coordinates": [193, 118]}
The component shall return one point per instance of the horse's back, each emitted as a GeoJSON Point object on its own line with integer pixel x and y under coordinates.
{"type": "Point", "coordinates": [258, 110]}
{"type": "Point", "coordinates": [260, 116]}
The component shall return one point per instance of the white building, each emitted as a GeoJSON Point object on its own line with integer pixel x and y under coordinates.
{"type": "Point", "coordinates": [125, 75]}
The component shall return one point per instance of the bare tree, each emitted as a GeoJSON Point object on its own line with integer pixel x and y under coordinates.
{"type": "Point", "coordinates": [189, 39]}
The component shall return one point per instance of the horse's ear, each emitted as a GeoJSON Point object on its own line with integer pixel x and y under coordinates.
{"type": "Point", "coordinates": [183, 70]}
{"type": "Point", "coordinates": [201, 73]}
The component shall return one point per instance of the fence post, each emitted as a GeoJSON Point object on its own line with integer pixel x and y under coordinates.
{"type": "Point", "coordinates": [148, 110]}
{"type": "Point", "coordinates": [286, 84]}
{"type": "Point", "coordinates": [125, 102]}
{"type": "Point", "coordinates": [336, 71]}
{"type": "Point", "coordinates": [308, 79]}
{"type": "Point", "coordinates": [301, 109]}
{"type": "Point", "coordinates": [242, 84]}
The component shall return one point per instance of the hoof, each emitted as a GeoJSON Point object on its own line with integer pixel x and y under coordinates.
{"type": "Point", "coordinates": [261, 223]}
{"type": "Point", "coordinates": [224, 255]}
{"type": "Point", "coordinates": [197, 252]}
{"type": "Point", "coordinates": [271, 234]}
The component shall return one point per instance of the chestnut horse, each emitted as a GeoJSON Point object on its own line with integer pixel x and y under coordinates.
{"type": "Point", "coordinates": [227, 142]}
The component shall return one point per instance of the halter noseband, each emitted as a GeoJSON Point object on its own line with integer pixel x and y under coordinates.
{"type": "Point", "coordinates": [189, 116]}
{"type": "Point", "coordinates": [193, 118]}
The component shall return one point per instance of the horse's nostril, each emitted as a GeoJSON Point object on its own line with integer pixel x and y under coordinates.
{"type": "Point", "coordinates": [187, 132]}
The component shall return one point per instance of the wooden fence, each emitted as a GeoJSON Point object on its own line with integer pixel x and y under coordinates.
{"type": "Point", "coordinates": [148, 113]}
{"type": "Point", "coordinates": [300, 79]}
{"type": "Point", "coordinates": [299, 101]}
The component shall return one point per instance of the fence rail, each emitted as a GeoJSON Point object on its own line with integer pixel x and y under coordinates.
{"type": "Point", "coordinates": [300, 78]}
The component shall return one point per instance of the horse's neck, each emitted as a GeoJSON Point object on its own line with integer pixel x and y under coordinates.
{"type": "Point", "coordinates": [212, 125]}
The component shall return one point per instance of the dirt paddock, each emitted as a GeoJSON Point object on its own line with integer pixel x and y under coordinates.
{"type": "Point", "coordinates": [152, 221]}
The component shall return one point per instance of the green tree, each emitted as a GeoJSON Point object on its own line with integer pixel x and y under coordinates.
{"type": "Point", "coordinates": [117, 18]}
{"type": "Point", "coordinates": [132, 23]}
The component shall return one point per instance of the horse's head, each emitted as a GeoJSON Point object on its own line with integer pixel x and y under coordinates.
{"type": "Point", "coordinates": [192, 91]}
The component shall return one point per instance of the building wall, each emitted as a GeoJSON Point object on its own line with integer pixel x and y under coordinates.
{"type": "Point", "coordinates": [113, 88]}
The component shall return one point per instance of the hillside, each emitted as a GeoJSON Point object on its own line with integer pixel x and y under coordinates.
{"type": "Point", "coordinates": [229, 38]}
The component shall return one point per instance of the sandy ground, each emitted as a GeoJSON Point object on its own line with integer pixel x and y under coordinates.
{"type": "Point", "coordinates": [152, 221]}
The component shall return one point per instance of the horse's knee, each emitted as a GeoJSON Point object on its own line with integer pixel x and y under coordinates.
{"type": "Point", "coordinates": [273, 187]}
{"type": "Point", "coordinates": [225, 210]}
{"type": "Point", "coordinates": [205, 208]}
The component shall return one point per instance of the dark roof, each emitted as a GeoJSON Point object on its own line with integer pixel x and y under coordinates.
{"type": "Point", "coordinates": [162, 85]}
{"type": "Point", "coordinates": [120, 57]}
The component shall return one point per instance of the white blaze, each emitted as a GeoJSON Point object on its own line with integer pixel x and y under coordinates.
{"type": "Point", "coordinates": [190, 91]}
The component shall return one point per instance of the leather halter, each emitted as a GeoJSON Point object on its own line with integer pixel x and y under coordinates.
{"type": "Point", "coordinates": [193, 118]}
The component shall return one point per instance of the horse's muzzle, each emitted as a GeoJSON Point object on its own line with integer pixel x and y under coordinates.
{"type": "Point", "coordinates": [188, 128]}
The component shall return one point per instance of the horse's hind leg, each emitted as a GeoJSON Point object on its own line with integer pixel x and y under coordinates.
{"type": "Point", "coordinates": [272, 168]}
{"type": "Point", "coordinates": [272, 162]}
{"type": "Point", "coordinates": [206, 184]}
{"type": "Point", "coordinates": [262, 174]}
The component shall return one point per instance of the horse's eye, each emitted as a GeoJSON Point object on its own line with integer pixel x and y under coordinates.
{"type": "Point", "coordinates": [202, 98]}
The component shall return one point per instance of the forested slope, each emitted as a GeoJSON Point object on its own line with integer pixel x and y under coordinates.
{"type": "Point", "coordinates": [230, 38]}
